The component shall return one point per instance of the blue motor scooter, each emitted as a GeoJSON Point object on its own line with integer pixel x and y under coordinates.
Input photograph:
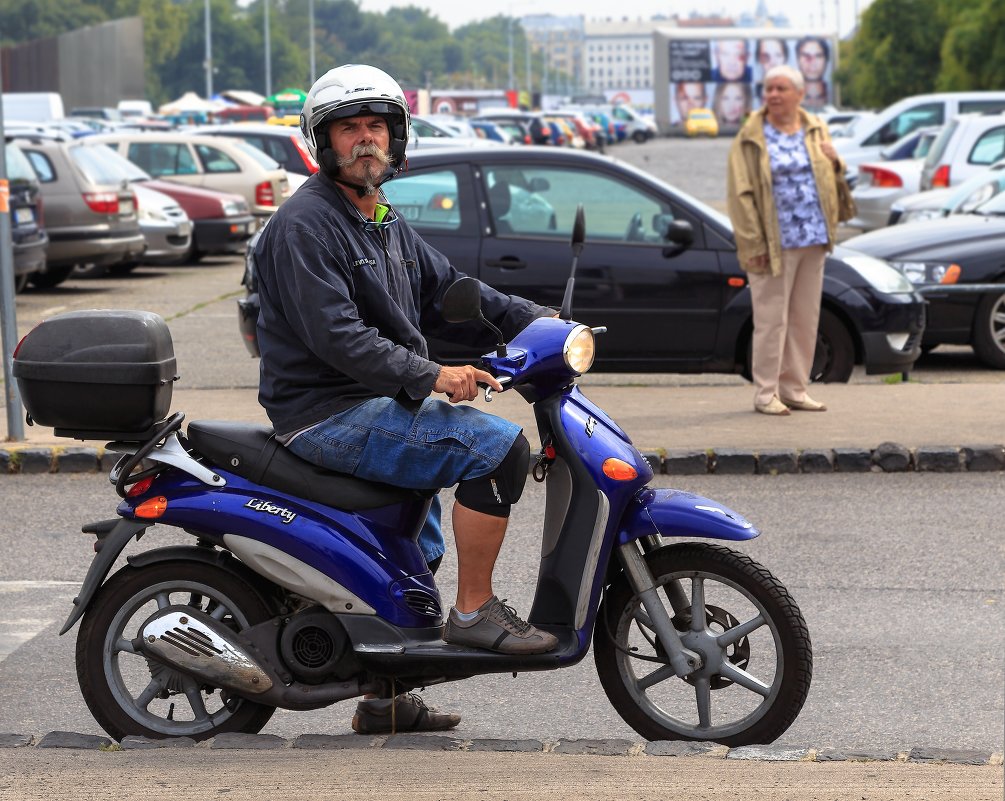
{"type": "Point", "coordinates": [304, 587]}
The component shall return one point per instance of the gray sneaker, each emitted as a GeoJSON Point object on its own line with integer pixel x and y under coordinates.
{"type": "Point", "coordinates": [497, 628]}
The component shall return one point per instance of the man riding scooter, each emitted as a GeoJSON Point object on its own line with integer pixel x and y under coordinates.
{"type": "Point", "coordinates": [348, 293]}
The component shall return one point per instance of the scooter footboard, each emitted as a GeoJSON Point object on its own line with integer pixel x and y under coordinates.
{"type": "Point", "coordinates": [676, 513]}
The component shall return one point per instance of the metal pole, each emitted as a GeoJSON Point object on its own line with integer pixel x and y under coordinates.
{"type": "Point", "coordinates": [209, 55]}
{"type": "Point", "coordinates": [310, 16]}
{"type": "Point", "coordinates": [8, 315]}
{"type": "Point", "coordinates": [512, 84]}
{"type": "Point", "coordinates": [530, 81]}
{"type": "Point", "coordinates": [268, 54]}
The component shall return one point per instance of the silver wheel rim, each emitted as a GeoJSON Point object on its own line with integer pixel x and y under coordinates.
{"type": "Point", "coordinates": [696, 709]}
{"type": "Point", "coordinates": [996, 323]}
{"type": "Point", "coordinates": [137, 683]}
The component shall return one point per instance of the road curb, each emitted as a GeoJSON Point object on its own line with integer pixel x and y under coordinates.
{"type": "Point", "coordinates": [612, 747]}
{"type": "Point", "coordinates": [887, 457]}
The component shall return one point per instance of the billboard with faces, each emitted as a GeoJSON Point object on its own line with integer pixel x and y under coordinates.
{"type": "Point", "coordinates": [726, 74]}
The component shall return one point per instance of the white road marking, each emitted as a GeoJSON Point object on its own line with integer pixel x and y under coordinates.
{"type": "Point", "coordinates": [16, 631]}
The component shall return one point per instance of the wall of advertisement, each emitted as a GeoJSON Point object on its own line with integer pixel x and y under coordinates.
{"type": "Point", "coordinates": [723, 70]}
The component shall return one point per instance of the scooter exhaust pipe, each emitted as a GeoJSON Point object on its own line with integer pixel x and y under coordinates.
{"type": "Point", "coordinates": [201, 646]}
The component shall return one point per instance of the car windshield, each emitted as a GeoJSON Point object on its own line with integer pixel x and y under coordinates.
{"type": "Point", "coordinates": [18, 166]}
{"type": "Point", "coordinates": [133, 172]}
{"type": "Point", "coordinates": [102, 165]}
{"type": "Point", "coordinates": [263, 159]}
{"type": "Point", "coordinates": [993, 207]}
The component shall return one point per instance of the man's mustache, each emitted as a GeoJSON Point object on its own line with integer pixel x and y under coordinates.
{"type": "Point", "coordinates": [364, 150]}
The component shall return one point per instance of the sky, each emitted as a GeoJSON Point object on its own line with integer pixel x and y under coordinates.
{"type": "Point", "coordinates": [817, 14]}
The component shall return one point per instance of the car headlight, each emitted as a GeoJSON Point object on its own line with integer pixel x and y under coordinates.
{"type": "Point", "coordinates": [234, 208]}
{"type": "Point", "coordinates": [920, 272]}
{"type": "Point", "coordinates": [919, 214]}
{"type": "Point", "coordinates": [878, 274]}
{"type": "Point", "coordinates": [579, 350]}
{"type": "Point", "coordinates": [147, 213]}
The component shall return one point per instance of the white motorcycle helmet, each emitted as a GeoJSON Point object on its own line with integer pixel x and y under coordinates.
{"type": "Point", "coordinates": [348, 91]}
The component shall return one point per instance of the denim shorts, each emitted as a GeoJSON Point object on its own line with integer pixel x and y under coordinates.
{"type": "Point", "coordinates": [434, 446]}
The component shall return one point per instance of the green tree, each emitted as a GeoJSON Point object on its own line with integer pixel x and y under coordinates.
{"type": "Point", "coordinates": [895, 53]}
{"type": "Point", "coordinates": [973, 50]}
{"type": "Point", "coordinates": [24, 20]}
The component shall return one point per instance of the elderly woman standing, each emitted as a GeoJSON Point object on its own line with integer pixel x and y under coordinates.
{"type": "Point", "coordinates": [782, 200]}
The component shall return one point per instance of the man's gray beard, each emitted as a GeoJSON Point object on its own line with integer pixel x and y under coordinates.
{"type": "Point", "coordinates": [370, 176]}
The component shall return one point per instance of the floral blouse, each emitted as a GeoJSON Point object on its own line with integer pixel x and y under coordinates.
{"type": "Point", "coordinates": [800, 219]}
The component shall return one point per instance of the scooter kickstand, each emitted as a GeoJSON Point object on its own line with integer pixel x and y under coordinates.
{"type": "Point", "coordinates": [683, 660]}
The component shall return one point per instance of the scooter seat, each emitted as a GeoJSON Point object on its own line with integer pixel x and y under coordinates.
{"type": "Point", "coordinates": [254, 453]}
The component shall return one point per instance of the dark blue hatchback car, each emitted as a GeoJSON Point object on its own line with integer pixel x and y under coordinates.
{"type": "Point", "coordinates": [659, 267]}
{"type": "Point", "coordinates": [27, 232]}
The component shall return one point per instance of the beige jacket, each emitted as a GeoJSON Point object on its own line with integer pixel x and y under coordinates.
{"type": "Point", "coordinates": [750, 203]}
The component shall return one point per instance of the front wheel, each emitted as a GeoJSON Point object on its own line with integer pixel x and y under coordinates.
{"type": "Point", "coordinates": [989, 331]}
{"type": "Point", "coordinates": [755, 648]}
{"type": "Point", "coordinates": [130, 693]}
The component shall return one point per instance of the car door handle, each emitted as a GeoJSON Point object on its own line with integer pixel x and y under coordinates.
{"type": "Point", "coordinates": [507, 263]}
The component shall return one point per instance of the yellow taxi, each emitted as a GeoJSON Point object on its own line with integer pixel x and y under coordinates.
{"type": "Point", "coordinates": [701, 122]}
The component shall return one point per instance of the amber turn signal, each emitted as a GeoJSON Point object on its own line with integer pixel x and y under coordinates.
{"type": "Point", "coordinates": [619, 470]}
{"type": "Point", "coordinates": [152, 508]}
{"type": "Point", "coordinates": [736, 281]}
{"type": "Point", "coordinates": [952, 274]}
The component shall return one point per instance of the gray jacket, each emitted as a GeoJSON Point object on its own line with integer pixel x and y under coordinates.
{"type": "Point", "coordinates": [345, 309]}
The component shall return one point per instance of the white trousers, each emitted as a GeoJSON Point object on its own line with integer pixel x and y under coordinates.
{"type": "Point", "coordinates": [786, 315]}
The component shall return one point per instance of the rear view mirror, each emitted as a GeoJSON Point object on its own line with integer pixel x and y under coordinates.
{"type": "Point", "coordinates": [539, 185]}
{"type": "Point", "coordinates": [462, 301]}
{"type": "Point", "coordinates": [681, 234]}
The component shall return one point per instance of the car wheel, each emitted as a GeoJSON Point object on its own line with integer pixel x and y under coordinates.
{"type": "Point", "coordinates": [52, 276]}
{"type": "Point", "coordinates": [20, 282]}
{"type": "Point", "coordinates": [122, 268]}
{"type": "Point", "coordinates": [834, 359]}
{"type": "Point", "coordinates": [989, 331]}
{"type": "Point", "coordinates": [639, 137]}
{"type": "Point", "coordinates": [835, 355]}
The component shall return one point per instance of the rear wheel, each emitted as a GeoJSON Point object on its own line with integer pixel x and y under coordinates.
{"type": "Point", "coordinates": [53, 276]}
{"type": "Point", "coordinates": [130, 693]}
{"type": "Point", "coordinates": [755, 648]}
{"type": "Point", "coordinates": [834, 358]}
{"type": "Point", "coordinates": [989, 331]}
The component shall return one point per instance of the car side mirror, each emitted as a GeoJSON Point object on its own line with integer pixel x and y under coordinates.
{"type": "Point", "coordinates": [539, 185]}
{"type": "Point", "coordinates": [462, 301]}
{"type": "Point", "coordinates": [681, 234]}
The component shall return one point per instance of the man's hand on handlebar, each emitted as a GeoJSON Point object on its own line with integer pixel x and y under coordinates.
{"type": "Point", "coordinates": [461, 383]}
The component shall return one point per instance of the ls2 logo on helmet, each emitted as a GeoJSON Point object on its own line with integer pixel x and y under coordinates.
{"type": "Point", "coordinates": [362, 89]}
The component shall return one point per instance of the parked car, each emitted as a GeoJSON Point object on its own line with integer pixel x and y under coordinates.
{"type": "Point", "coordinates": [967, 145]}
{"type": "Point", "coordinates": [494, 133]}
{"type": "Point", "coordinates": [536, 127]}
{"type": "Point", "coordinates": [212, 162]}
{"type": "Point", "coordinates": [880, 184]}
{"type": "Point", "coordinates": [90, 209]}
{"type": "Point", "coordinates": [954, 261]}
{"type": "Point", "coordinates": [961, 199]}
{"type": "Point", "coordinates": [701, 122]}
{"type": "Point", "coordinates": [282, 143]}
{"type": "Point", "coordinates": [871, 134]}
{"type": "Point", "coordinates": [27, 228]}
{"type": "Point", "coordinates": [207, 221]}
{"type": "Point", "coordinates": [587, 130]}
{"type": "Point", "coordinates": [659, 268]}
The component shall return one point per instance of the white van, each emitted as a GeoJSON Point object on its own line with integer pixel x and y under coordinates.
{"type": "Point", "coordinates": [32, 106]}
{"type": "Point", "coordinates": [871, 135]}
{"type": "Point", "coordinates": [130, 109]}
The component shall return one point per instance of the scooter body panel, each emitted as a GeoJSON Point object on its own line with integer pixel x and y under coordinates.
{"type": "Point", "coordinates": [675, 513]}
{"type": "Point", "coordinates": [371, 553]}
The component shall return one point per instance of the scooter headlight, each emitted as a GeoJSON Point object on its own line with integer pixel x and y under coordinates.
{"type": "Point", "coordinates": [578, 350]}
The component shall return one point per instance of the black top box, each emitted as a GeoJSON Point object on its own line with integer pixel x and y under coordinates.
{"type": "Point", "coordinates": [99, 374]}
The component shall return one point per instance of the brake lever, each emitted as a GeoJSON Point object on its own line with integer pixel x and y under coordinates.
{"type": "Point", "coordinates": [503, 379]}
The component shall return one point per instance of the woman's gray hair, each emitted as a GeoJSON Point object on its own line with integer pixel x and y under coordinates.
{"type": "Point", "coordinates": [794, 76]}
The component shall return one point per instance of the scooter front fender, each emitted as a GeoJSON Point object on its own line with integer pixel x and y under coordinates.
{"type": "Point", "coordinates": [675, 513]}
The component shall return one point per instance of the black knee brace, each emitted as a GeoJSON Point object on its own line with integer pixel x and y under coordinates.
{"type": "Point", "coordinates": [493, 494]}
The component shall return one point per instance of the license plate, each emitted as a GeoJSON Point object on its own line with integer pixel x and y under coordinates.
{"type": "Point", "coordinates": [23, 216]}
{"type": "Point", "coordinates": [125, 208]}
{"type": "Point", "coordinates": [409, 212]}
